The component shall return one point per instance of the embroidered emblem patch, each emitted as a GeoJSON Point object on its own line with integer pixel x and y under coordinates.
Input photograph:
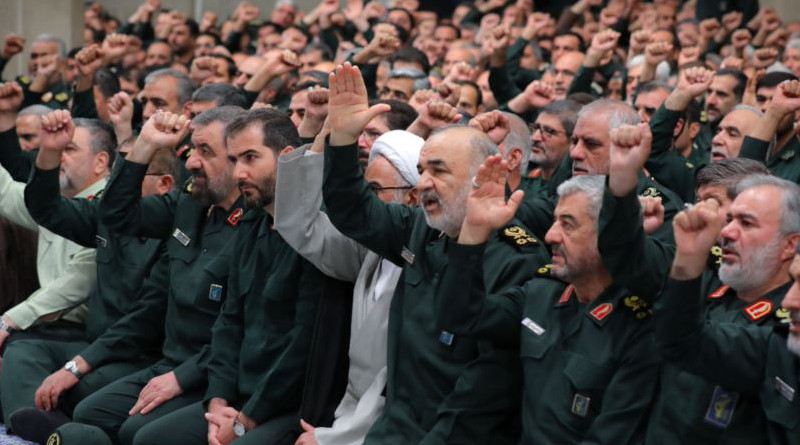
{"type": "Point", "coordinates": [759, 309]}
{"type": "Point", "coordinates": [516, 235]}
{"type": "Point", "coordinates": [215, 292]}
{"type": "Point", "coordinates": [602, 311]}
{"type": "Point", "coordinates": [235, 216]}
{"type": "Point", "coordinates": [580, 405]}
{"type": "Point", "coordinates": [720, 410]}
{"type": "Point", "coordinates": [639, 307]}
{"type": "Point", "coordinates": [567, 294]}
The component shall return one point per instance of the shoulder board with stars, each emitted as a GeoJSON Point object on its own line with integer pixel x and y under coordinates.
{"type": "Point", "coordinates": [719, 292]}
{"type": "Point", "coordinates": [716, 254]}
{"type": "Point", "coordinates": [651, 192]}
{"type": "Point", "coordinates": [759, 309]}
{"type": "Point", "coordinates": [235, 216]}
{"type": "Point", "coordinates": [640, 308]}
{"type": "Point", "coordinates": [518, 237]}
{"type": "Point", "coordinates": [187, 186]}
{"type": "Point", "coordinates": [24, 79]}
{"type": "Point", "coordinates": [544, 270]}
{"type": "Point", "coordinates": [783, 317]}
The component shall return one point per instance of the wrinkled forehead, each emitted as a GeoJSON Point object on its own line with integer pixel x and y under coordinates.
{"type": "Point", "coordinates": [742, 120]}
{"type": "Point", "coordinates": [761, 202]}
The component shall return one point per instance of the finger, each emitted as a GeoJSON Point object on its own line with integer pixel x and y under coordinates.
{"type": "Point", "coordinates": [155, 403]}
{"type": "Point", "coordinates": [213, 419]}
{"type": "Point", "coordinates": [306, 426]}
{"type": "Point", "coordinates": [377, 110]}
{"type": "Point", "coordinates": [515, 200]}
{"type": "Point", "coordinates": [54, 393]}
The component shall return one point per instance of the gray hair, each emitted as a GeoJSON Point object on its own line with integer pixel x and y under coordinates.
{"type": "Point", "coordinates": [421, 81]}
{"type": "Point", "coordinates": [62, 45]}
{"type": "Point", "coordinates": [482, 146]}
{"type": "Point", "coordinates": [285, 2]}
{"type": "Point", "coordinates": [662, 69]}
{"type": "Point", "coordinates": [35, 110]}
{"type": "Point", "coordinates": [591, 185]}
{"type": "Point", "coordinates": [566, 110]}
{"type": "Point", "coordinates": [519, 136]}
{"type": "Point", "coordinates": [185, 86]}
{"type": "Point", "coordinates": [103, 138]}
{"type": "Point", "coordinates": [755, 110]}
{"type": "Point", "coordinates": [790, 198]}
{"type": "Point", "coordinates": [225, 114]}
{"type": "Point", "coordinates": [617, 112]}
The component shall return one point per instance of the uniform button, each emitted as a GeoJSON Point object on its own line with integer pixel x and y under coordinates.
{"type": "Point", "coordinates": [205, 250]}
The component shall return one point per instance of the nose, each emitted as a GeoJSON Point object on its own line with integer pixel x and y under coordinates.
{"type": "Point", "coordinates": [730, 232]}
{"type": "Point", "coordinates": [576, 152]}
{"type": "Point", "coordinates": [645, 118]}
{"type": "Point", "coordinates": [362, 141]}
{"type": "Point", "coordinates": [239, 171]}
{"type": "Point", "coordinates": [536, 136]}
{"type": "Point", "coordinates": [553, 236]}
{"type": "Point", "coordinates": [718, 139]}
{"type": "Point", "coordinates": [424, 182]}
{"type": "Point", "coordinates": [193, 162]}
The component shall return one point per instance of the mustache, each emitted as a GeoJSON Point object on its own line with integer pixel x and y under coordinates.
{"type": "Point", "coordinates": [429, 196]}
{"type": "Point", "coordinates": [729, 245]}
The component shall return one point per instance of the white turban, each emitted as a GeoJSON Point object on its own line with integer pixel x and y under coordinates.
{"type": "Point", "coordinates": [401, 148]}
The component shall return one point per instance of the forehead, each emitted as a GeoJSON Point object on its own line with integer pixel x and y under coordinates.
{"type": "Point", "coordinates": [743, 120]}
{"type": "Point", "coordinates": [766, 91]}
{"type": "Point", "coordinates": [378, 123]}
{"type": "Point", "coordinates": [550, 120]}
{"type": "Point", "coordinates": [401, 82]}
{"type": "Point", "coordinates": [764, 202]}
{"type": "Point", "coordinates": [652, 98]}
{"type": "Point", "coordinates": [211, 135]}
{"type": "Point", "coordinates": [468, 93]}
{"type": "Point", "coordinates": [205, 39]}
{"type": "Point", "coordinates": [575, 205]}
{"type": "Point", "coordinates": [293, 33]}
{"type": "Point", "coordinates": [165, 86]}
{"type": "Point", "coordinates": [29, 120]}
{"type": "Point", "coordinates": [249, 138]}
{"type": "Point", "coordinates": [566, 39]}
{"type": "Point", "coordinates": [379, 168]}
{"type": "Point", "coordinates": [251, 64]}
{"type": "Point", "coordinates": [45, 47]}
{"type": "Point", "coordinates": [299, 99]}
{"type": "Point", "coordinates": [724, 82]}
{"type": "Point", "coordinates": [595, 126]}
{"type": "Point", "coordinates": [662, 36]}
{"type": "Point", "coordinates": [570, 61]}
{"type": "Point", "coordinates": [457, 54]}
{"type": "Point", "coordinates": [451, 146]}
{"type": "Point", "coordinates": [82, 138]}
{"type": "Point", "coordinates": [445, 31]}
{"type": "Point", "coordinates": [158, 47]}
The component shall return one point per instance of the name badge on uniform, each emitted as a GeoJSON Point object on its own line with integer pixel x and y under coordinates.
{"type": "Point", "coordinates": [786, 391]}
{"type": "Point", "coordinates": [533, 326]}
{"type": "Point", "coordinates": [720, 410]}
{"type": "Point", "coordinates": [407, 255]}
{"type": "Point", "coordinates": [580, 405]}
{"type": "Point", "coordinates": [181, 237]}
{"type": "Point", "coordinates": [100, 241]}
{"type": "Point", "coordinates": [215, 292]}
{"type": "Point", "coordinates": [446, 338]}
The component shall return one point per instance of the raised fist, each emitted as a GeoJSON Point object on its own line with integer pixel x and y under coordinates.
{"type": "Point", "coordinates": [657, 52]}
{"type": "Point", "coordinates": [437, 114]}
{"type": "Point", "coordinates": [639, 40]}
{"type": "Point", "coordinates": [115, 46]}
{"type": "Point", "coordinates": [89, 60]}
{"type": "Point", "coordinates": [652, 213]}
{"type": "Point", "coordinates": [709, 27]}
{"type": "Point", "coordinates": [741, 38]}
{"type": "Point", "coordinates": [494, 123]}
{"type": "Point", "coordinates": [604, 41]}
{"type": "Point", "coordinates": [202, 68]}
{"type": "Point", "coordinates": [12, 45]}
{"type": "Point", "coordinates": [538, 94]}
{"type": "Point", "coordinates": [731, 21]}
{"type": "Point", "coordinates": [164, 130]}
{"type": "Point", "coordinates": [11, 97]}
{"type": "Point", "coordinates": [695, 81]}
{"type": "Point", "coordinates": [786, 98]}
{"type": "Point", "coordinates": [57, 131]}
{"type": "Point", "coordinates": [120, 108]}
{"type": "Point", "coordinates": [317, 104]}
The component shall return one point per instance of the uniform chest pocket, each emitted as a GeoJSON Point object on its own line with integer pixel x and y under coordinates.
{"type": "Point", "coordinates": [413, 275]}
{"type": "Point", "coordinates": [587, 375]}
{"type": "Point", "coordinates": [216, 277]}
{"type": "Point", "coordinates": [184, 254]}
{"type": "Point", "coordinates": [778, 408]}
{"type": "Point", "coordinates": [534, 346]}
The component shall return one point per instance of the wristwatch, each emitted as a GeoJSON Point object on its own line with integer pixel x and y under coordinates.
{"type": "Point", "coordinates": [238, 427]}
{"type": "Point", "coordinates": [4, 326]}
{"type": "Point", "coordinates": [72, 366]}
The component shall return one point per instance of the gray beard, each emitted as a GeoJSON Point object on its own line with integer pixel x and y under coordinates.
{"type": "Point", "coordinates": [743, 277]}
{"type": "Point", "coordinates": [793, 343]}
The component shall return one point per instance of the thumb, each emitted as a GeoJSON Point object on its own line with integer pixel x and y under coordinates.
{"type": "Point", "coordinates": [647, 135]}
{"type": "Point", "coordinates": [306, 426]}
{"type": "Point", "coordinates": [515, 200]}
{"type": "Point", "coordinates": [378, 109]}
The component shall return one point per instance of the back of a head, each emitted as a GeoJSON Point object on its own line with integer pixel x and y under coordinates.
{"type": "Point", "coordinates": [728, 172]}
{"type": "Point", "coordinates": [774, 79]}
{"type": "Point", "coordinates": [184, 84]}
{"type": "Point", "coordinates": [107, 82]}
{"type": "Point", "coordinates": [166, 162]}
{"type": "Point", "coordinates": [222, 94]}
{"type": "Point", "coordinates": [400, 116]}
{"type": "Point", "coordinates": [518, 136]}
{"type": "Point", "coordinates": [277, 128]}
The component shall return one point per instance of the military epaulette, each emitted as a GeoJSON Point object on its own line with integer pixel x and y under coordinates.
{"type": "Point", "coordinates": [62, 97]}
{"type": "Point", "coordinates": [783, 317]}
{"type": "Point", "coordinates": [651, 192]}
{"type": "Point", "coordinates": [24, 79]}
{"type": "Point", "coordinates": [787, 156]}
{"type": "Point", "coordinates": [640, 308]}
{"type": "Point", "coordinates": [759, 309]}
{"type": "Point", "coordinates": [535, 173]}
{"type": "Point", "coordinates": [518, 237]}
{"type": "Point", "coordinates": [544, 270]}
{"type": "Point", "coordinates": [703, 117]}
{"type": "Point", "coordinates": [97, 195]}
{"type": "Point", "coordinates": [716, 254]}
{"type": "Point", "coordinates": [187, 187]}
{"type": "Point", "coordinates": [235, 216]}
{"type": "Point", "coordinates": [47, 97]}
{"type": "Point", "coordinates": [184, 151]}
{"type": "Point", "coordinates": [602, 311]}
{"type": "Point", "coordinates": [719, 292]}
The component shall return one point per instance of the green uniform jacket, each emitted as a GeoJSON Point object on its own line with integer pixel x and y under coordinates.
{"type": "Point", "coordinates": [750, 359]}
{"type": "Point", "coordinates": [57, 97]}
{"type": "Point", "coordinates": [123, 262]}
{"type": "Point", "coordinates": [665, 164]}
{"type": "Point", "coordinates": [261, 340]}
{"type": "Point", "coordinates": [194, 235]}
{"type": "Point", "coordinates": [442, 388]}
{"type": "Point", "coordinates": [589, 370]}
{"type": "Point", "coordinates": [786, 164]}
{"type": "Point", "coordinates": [690, 409]}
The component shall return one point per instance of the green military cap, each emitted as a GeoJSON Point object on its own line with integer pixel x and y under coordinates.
{"type": "Point", "coordinates": [79, 433]}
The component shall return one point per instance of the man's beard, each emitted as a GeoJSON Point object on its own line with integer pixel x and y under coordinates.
{"type": "Point", "coordinates": [208, 191]}
{"type": "Point", "coordinates": [451, 215]}
{"type": "Point", "coordinates": [578, 266]}
{"type": "Point", "coordinates": [65, 183]}
{"type": "Point", "coordinates": [752, 270]}
{"type": "Point", "coordinates": [793, 343]}
{"type": "Point", "coordinates": [262, 196]}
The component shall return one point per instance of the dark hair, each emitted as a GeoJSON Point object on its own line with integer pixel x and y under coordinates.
{"type": "Point", "coordinates": [221, 94]}
{"type": "Point", "coordinates": [98, 35]}
{"type": "Point", "coordinates": [654, 85]}
{"type": "Point", "coordinates": [474, 85]}
{"type": "Point", "coordinates": [581, 42]}
{"type": "Point", "coordinates": [309, 37]}
{"type": "Point", "coordinates": [408, 13]}
{"type": "Point", "coordinates": [165, 161]}
{"type": "Point", "coordinates": [107, 82]}
{"type": "Point", "coordinates": [741, 80]}
{"type": "Point", "coordinates": [327, 53]}
{"type": "Point", "coordinates": [400, 116]}
{"type": "Point", "coordinates": [277, 129]}
{"type": "Point", "coordinates": [411, 55]}
{"type": "Point", "coordinates": [102, 136]}
{"type": "Point", "coordinates": [566, 111]}
{"type": "Point", "coordinates": [774, 79]}
{"type": "Point", "coordinates": [692, 113]}
{"type": "Point", "coordinates": [581, 98]}
{"type": "Point", "coordinates": [232, 70]}
{"type": "Point", "coordinates": [451, 26]}
{"type": "Point", "coordinates": [728, 172]}
{"type": "Point", "coordinates": [318, 77]}
{"type": "Point", "coordinates": [217, 40]}
{"type": "Point", "coordinates": [278, 28]}
{"type": "Point", "coordinates": [225, 115]}
{"type": "Point", "coordinates": [194, 28]}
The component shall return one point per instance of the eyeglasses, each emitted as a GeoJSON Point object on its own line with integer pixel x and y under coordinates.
{"type": "Point", "coordinates": [376, 188]}
{"type": "Point", "coordinates": [546, 131]}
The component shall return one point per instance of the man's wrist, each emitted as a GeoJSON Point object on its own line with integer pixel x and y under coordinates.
{"type": "Point", "coordinates": [686, 268]}
{"type": "Point", "coordinates": [472, 235]}
{"type": "Point", "coordinates": [48, 159]}
{"type": "Point", "coordinates": [338, 139]}
{"type": "Point", "coordinates": [678, 100]}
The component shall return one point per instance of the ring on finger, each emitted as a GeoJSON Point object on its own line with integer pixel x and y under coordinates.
{"type": "Point", "coordinates": [475, 183]}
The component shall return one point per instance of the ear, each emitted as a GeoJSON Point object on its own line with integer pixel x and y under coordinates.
{"type": "Point", "coordinates": [679, 128]}
{"type": "Point", "coordinates": [790, 248]}
{"type": "Point", "coordinates": [514, 158]}
{"type": "Point", "coordinates": [411, 197]}
{"type": "Point", "coordinates": [165, 184]}
{"type": "Point", "coordinates": [286, 150]}
{"type": "Point", "coordinates": [694, 129]}
{"type": "Point", "coordinates": [187, 109]}
{"type": "Point", "coordinates": [100, 163]}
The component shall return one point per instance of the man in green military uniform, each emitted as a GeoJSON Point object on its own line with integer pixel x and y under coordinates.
{"type": "Point", "coordinates": [442, 387]}
{"type": "Point", "coordinates": [196, 223]}
{"type": "Point", "coordinates": [45, 82]}
{"type": "Point", "coordinates": [260, 342]}
{"type": "Point", "coordinates": [751, 363]}
{"type": "Point", "coordinates": [756, 240]}
{"type": "Point", "coordinates": [551, 136]}
{"type": "Point", "coordinates": [585, 342]}
{"type": "Point", "coordinates": [778, 121]}
{"type": "Point", "coordinates": [724, 92]}
{"type": "Point", "coordinates": [122, 265]}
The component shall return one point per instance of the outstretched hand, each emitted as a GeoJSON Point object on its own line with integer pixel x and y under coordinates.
{"type": "Point", "coordinates": [348, 105]}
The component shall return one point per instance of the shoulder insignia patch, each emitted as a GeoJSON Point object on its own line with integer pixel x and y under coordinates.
{"type": "Point", "coordinates": [62, 97]}
{"type": "Point", "coordinates": [638, 306]}
{"type": "Point", "coordinates": [25, 79]}
{"type": "Point", "coordinates": [566, 295]}
{"type": "Point", "coordinates": [517, 236]}
{"type": "Point", "coordinates": [788, 155]}
{"type": "Point", "coordinates": [703, 117]}
{"type": "Point", "coordinates": [719, 292]}
{"type": "Point", "coordinates": [544, 270]}
{"type": "Point", "coordinates": [602, 311]}
{"type": "Point", "coordinates": [235, 216]}
{"type": "Point", "coordinates": [651, 192]}
{"type": "Point", "coordinates": [716, 252]}
{"type": "Point", "coordinates": [759, 309]}
{"type": "Point", "coordinates": [784, 316]}
{"type": "Point", "coordinates": [47, 97]}
{"type": "Point", "coordinates": [54, 439]}
{"type": "Point", "coordinates": [721, 407]}
{"type": "Point", "coordinates": [187, 187]}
